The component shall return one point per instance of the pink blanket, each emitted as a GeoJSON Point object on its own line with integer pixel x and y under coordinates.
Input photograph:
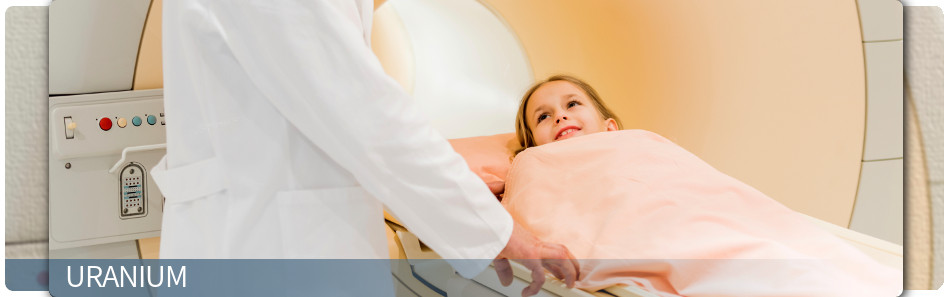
{"type": "Point", "coordinates": [637, 209]}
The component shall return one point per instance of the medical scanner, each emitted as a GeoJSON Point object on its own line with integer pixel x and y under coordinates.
{"type": "Point", "coordinates": [104, 136]}
{"type": "Point", "coordinates": [801, 100]}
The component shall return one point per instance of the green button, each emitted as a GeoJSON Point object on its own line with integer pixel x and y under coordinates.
{"type": "Point", "coordinates": [137, 121]}
{"type": "Point", "coordinates": [151, 120]}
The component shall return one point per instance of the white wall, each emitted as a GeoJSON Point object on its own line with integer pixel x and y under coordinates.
{"type": "Point", "coordinates": [923, 58]}
{"type": "Point", "coordinates": [26, 132]}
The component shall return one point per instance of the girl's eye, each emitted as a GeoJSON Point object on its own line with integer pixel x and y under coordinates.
{"type": "Point", "coordinates": [572, 104]}
{"type": "Point", "coordinates": [542, 117]}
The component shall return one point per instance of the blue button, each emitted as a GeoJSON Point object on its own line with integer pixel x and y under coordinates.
{"type": "Point", "coordinates": [137, 121]}
{"type": "Point", "coordinates": [151, 120]}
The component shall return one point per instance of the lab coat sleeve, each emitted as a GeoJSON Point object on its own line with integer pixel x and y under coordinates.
{"type": "Point", "coordinates": [314, 66]}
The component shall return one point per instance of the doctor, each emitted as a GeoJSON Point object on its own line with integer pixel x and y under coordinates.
{"type": "Point", "coordinates": [286, 138]}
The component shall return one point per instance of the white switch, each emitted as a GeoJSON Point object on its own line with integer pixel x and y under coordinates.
{"type": "Point", "coordinates": [70, 127]}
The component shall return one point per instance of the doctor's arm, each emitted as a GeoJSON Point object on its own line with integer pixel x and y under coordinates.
{"type": "Point", "coordinates": [316, 69]}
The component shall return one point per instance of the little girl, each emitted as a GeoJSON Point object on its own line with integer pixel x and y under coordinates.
{"type": "Point", "coordinates": [559, 108]}
{"type": "Point", "coordinates": [637, 209]}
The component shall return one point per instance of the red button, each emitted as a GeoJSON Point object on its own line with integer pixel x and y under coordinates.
{"type": "Point", "coordinates": [105, 124]}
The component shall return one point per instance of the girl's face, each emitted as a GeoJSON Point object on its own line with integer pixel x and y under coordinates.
{"type": "Point", "coordinates": [560, 110]}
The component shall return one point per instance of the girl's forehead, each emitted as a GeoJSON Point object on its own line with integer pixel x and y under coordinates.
{"type": "Point", "coordinates": [558, 88]}
{"type": "Point", "coordinates": [555, 91]}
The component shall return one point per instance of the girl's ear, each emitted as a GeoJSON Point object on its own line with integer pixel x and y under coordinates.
{"type": "Point", "coordinates": [611, 125]}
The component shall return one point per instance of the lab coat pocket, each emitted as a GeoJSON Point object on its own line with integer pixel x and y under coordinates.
{"type": "Point", "coordinates": [342, 223]}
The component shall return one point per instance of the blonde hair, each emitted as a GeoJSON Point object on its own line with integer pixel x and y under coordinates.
{"type": "Point", "coordinates": [523, 131]}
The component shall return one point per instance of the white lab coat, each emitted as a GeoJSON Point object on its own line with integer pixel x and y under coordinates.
{"type": "Point", "coordinates": [286, 138]}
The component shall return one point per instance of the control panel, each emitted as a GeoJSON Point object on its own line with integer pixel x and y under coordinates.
{"type": "Point", "coordinates": [97, 195]}
{"type": "Point", "coordinates": [106, 128]}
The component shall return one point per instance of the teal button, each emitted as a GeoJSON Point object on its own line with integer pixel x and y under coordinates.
{"type": "Point", "coordinates": [137, 121]}
{"type": "Point", "coordinates": [151, 120]}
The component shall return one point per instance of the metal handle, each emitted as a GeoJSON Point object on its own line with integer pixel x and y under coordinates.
{"type": "Point", "coordinates": [140, 148]}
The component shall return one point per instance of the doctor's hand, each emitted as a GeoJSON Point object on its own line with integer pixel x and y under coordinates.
{"type": "Point", "coordinates": [536, 255]}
